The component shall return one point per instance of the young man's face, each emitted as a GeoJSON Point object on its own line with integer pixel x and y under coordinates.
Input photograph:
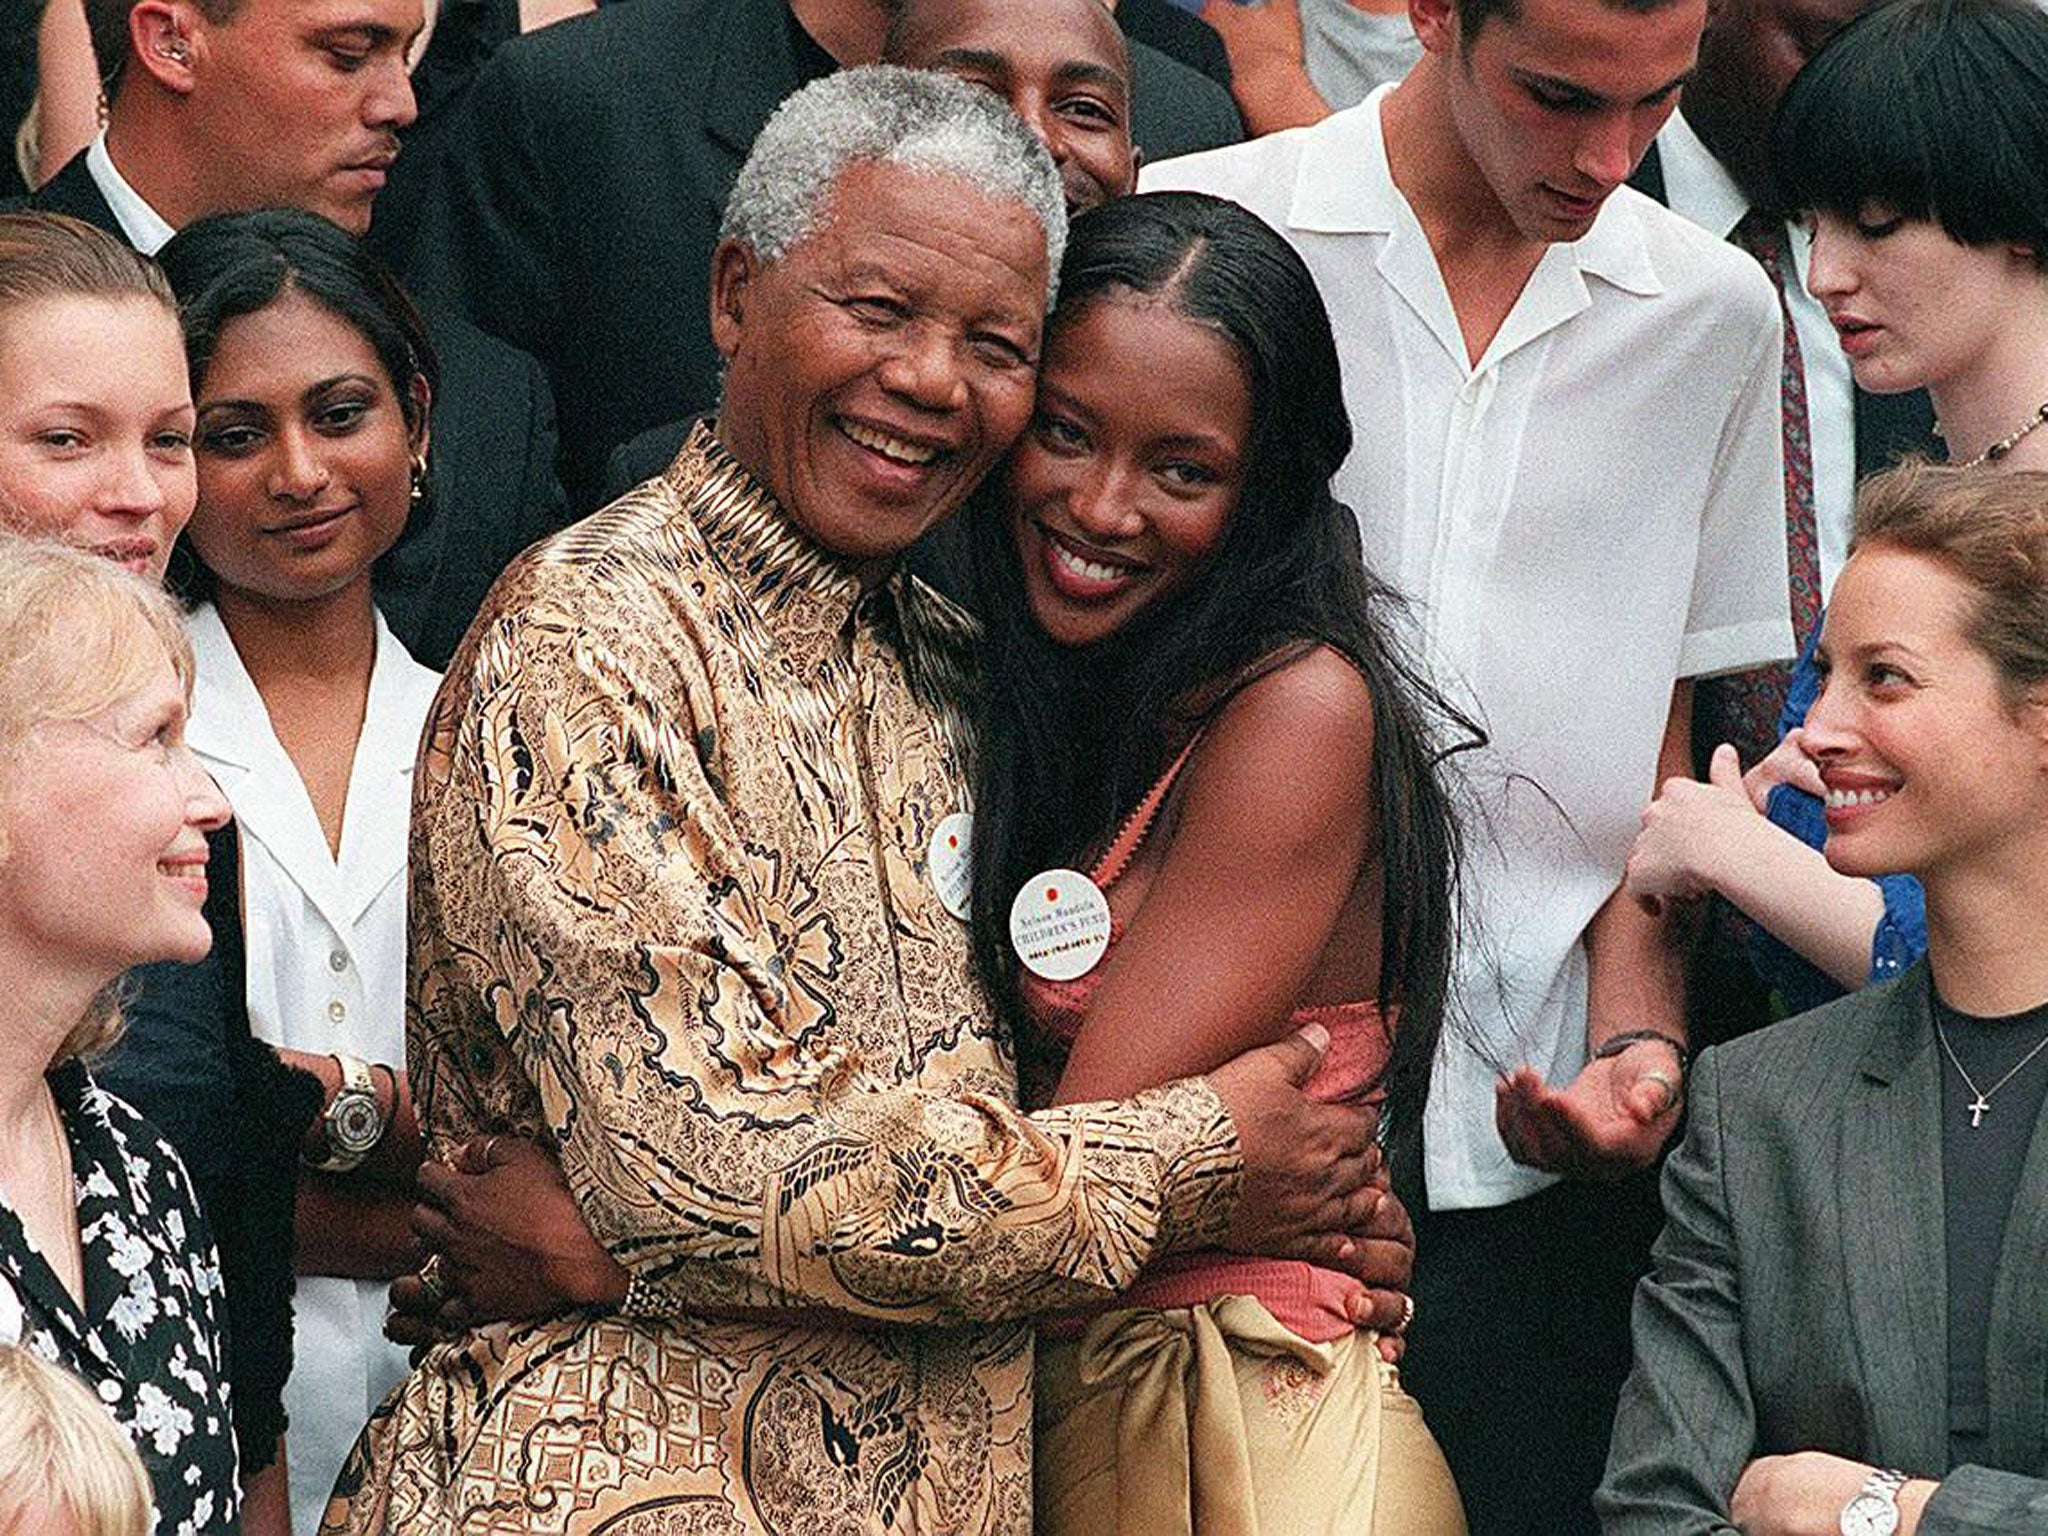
{"type": "Point", "coordinates": [1556, 103]}
{"type": "Point", "coordinates": [303, 100]}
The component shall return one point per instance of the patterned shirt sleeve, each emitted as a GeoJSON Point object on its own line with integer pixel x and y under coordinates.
{"type": "Point", "coordinates": [600, 950]}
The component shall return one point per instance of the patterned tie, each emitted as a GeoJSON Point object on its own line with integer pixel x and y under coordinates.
{"type": "Point", "coordinates": [1744, 708]}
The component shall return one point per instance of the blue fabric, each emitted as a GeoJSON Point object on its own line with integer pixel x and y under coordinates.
{"type": "Point", "coordinates": [1901, 936]}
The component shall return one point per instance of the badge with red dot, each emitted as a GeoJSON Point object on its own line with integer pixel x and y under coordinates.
{"type": "Point", "coordinates": [1059, 924]}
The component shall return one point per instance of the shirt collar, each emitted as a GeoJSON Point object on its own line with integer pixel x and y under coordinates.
{"type": "Point", "coordinates": [1345, 185]}
{"type": "Point", "coordinates": [143, 225]}
{"type": "Point", "coordinates": [804, 593]}
{"type": "Point", "coordinates": [1695, 183]}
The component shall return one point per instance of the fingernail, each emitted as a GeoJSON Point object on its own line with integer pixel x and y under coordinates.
{"type": "Point", "coordinates": [1316, 1036]}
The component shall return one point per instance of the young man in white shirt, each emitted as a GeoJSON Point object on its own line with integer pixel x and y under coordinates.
{"type": "Point", "coordinates": [1566, 402]}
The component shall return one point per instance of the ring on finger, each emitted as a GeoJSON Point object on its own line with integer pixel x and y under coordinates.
{"type": "Point", "coordinates": [432, 1281]}
{"type": "Point", "coordinates": [1663, 1080]}
{"type": "Point", "coordinates": [490, 1146]}
{"type": "Point", "coordinates": [1407, 1314]}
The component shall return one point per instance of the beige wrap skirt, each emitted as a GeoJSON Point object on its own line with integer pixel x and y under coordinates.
{"type": "Point", "coordinates": [1218, 1421]}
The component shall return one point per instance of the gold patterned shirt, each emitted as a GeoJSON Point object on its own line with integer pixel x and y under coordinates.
{"type": "Point", "coordinates": [670, 909]}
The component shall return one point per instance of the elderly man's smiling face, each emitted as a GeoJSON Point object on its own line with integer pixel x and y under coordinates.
{"type": "Point", "coordinates": [877, 371]}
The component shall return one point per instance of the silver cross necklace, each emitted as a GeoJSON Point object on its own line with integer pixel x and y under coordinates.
{"type": "Point", "coordinates": [1981, 1104]}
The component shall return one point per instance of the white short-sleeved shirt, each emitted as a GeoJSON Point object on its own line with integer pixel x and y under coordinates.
{"type": "Point", "coordinates": [1593, 512]}
{"type": "Point", "coordinates": [324, 939]}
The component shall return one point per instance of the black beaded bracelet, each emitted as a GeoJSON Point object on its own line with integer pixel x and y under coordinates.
{"type": "Point", "coordinates": [1614, 1045]}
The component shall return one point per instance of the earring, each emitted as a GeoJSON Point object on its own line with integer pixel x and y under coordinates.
{"type": "Point", "coordinates": [419, 478]}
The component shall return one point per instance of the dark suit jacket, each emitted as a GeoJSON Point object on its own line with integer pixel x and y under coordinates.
{"type": "Point", "coordinates": [1178, 34]}
{"type": "Point", "coordinates": [1888, 427]}
{"type": "Point", "coordinates": [1798, 1299]}
{"type": "Point", "coordinates": [1176, 109]}
{"type": "Point", "coordinates": [584, 185]}
{"type": "Point", "coordinates": [492, 457]}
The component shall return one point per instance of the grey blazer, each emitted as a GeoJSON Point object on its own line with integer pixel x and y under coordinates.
{"type": "Point", "coordinates": [1798, 1299]}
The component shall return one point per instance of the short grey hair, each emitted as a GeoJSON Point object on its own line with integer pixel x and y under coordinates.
{"type": "Point", "coordinates": [916, 118]}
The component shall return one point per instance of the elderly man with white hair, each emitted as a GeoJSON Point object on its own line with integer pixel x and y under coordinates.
{"type": "Point", "coordinates": [673, 908]}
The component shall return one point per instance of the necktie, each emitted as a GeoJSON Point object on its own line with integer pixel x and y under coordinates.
{"type": "Point", "coordinates": [1744, 708]}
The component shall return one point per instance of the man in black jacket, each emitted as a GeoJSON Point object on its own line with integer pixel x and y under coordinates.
{"type": "Point", "coordinates": [238, 104]}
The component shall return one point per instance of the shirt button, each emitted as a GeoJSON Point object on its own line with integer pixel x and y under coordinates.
{"type": "Point", "coordinates": [337, 1010]}
{"type": "Point", "coordinates": [338, 961]}
{"type": "Point", "coordinates": [110, 1391]}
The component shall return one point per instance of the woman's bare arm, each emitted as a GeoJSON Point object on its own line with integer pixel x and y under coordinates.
{"type": "Point", "coordinates": [1275, 827]}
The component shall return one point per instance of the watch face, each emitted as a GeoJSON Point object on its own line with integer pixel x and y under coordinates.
{"type": "Point", "coordinates": [1870, 1514]}
{"type": "Point", "coordinates": [355, 1124]}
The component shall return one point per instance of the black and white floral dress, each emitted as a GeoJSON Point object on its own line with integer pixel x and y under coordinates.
{"type": "Point", "coordinates": [150, 1342]}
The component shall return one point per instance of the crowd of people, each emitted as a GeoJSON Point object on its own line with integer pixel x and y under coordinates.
{"type": "Point", "coordinates": [1025, 765]}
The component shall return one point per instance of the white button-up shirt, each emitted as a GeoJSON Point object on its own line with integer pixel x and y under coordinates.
{"type": "Point", "coordinates": [325, 944]}
{"type": "Point", "coordinates": [1591, 513]}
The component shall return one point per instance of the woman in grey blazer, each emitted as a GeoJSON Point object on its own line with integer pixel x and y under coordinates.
{"type": "Point", "coordinates": [1846, 1328]}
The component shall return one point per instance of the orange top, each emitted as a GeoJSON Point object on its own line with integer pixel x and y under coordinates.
{"type": "Point", "coordinates": [1301, 1296]}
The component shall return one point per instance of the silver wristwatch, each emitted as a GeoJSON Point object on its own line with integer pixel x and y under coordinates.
{"type": "Point", "coordinates": [353, 1122]}
{"type": "Point", "coordinates": [1875, 1509]}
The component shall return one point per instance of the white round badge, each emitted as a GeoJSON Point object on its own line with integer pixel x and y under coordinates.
{"type": "Point", "coordinates": [1059, 924]}
{"type": "Point", "coordinates": [948, 862]}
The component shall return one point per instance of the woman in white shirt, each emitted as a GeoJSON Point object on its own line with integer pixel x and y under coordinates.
{"type": "Point", "coordinates": [313, 376]}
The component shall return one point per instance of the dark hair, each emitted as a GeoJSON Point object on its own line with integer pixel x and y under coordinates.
{"type": "Point", "coordinates": [1474, 14]}
{"type": "Point", "coordinates": [1069, 739]}
{"type": "Point", "coordinates": [1935, 109]}
{"type": "Point", "coordinates": [237, 264]}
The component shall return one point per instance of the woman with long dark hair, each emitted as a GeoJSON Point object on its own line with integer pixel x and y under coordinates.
{"type": "Point", "coordinates": [1193, 704]}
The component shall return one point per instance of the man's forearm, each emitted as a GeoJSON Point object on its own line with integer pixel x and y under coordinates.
{"type": "Point", "coordinates": [1635, 971]}
{"type": "Point", "coordinates": [1635, 962]}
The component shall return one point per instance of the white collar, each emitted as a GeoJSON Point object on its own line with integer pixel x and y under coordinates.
{"type": "Point", "coordinates": [1344, 184]}
{"type": "Point", "coordinates": [1696, 184]}
{"type": "Point", "coordinates": [231, 725]}
{"type": "Point", "coordinates": [142, 224]}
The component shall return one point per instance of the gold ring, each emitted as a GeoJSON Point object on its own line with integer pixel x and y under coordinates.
{"type": "Point", "coordinates": [431, 1281]}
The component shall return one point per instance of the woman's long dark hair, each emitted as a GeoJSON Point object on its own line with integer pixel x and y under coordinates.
{"type": "Point", "coordinates": [235, 264]}
{"type": "Point", "coordinates": [1069, 739]}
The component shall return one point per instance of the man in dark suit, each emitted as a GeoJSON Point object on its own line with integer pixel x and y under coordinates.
{"type": "Point", "coordinates": [265, 103]}
{"type": "Point", "coordinates": [583, 195]}
{"type": "Point", "coordinates": [1711, 164]}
